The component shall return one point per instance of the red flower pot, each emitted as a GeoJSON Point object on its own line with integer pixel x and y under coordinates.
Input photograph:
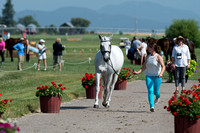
{"type": "Point", "coordinates": [184, 125]}
{"type": "Point", "coordinates": [50, 104]}
{"type": "Point", "coordinates": [91, 92]}
{"type": "Point", "coordinates": [120, 85]}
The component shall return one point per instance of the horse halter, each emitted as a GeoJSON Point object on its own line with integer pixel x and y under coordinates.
{"type": "Point", "coordinates": [105, 51]}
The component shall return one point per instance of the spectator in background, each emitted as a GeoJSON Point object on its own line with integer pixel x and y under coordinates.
{"type": "Point", "coordinates": [127, 45]}
{"type": "Point", "coordinates": [21, 48]}
{"type": "Point", "coordinates": [42, 54]}
{"type": "Point", "coordinates": [2, 49]}
{"type": "Point", "coordinates": [142, 50]}
{"type": "Point", "coordinates": [57, 54]}
{"type": "Point", "coordinates": [180, 60]}
{"type": "Point", "coordinates": [135, 43]}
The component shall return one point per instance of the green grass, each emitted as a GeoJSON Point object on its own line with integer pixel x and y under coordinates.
{"type": "Point", "coordinates": [21, 86]}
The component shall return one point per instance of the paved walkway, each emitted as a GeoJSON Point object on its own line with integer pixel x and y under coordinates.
{"type": "Point", "coordinates": [128, 113]}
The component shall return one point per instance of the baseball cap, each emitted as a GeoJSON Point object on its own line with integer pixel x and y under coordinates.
{"type": "Point", "coordinates": [41, 40]}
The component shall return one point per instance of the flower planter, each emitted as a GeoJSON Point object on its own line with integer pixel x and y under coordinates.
{"type": "Point", "coordinates": [50, 104]}
{"type": "Point", "coordinates": [184, 125]}
{"type": "Point", "coordinates": [120, 85]}
{"type": "Point", "coordinates": [91, 92]}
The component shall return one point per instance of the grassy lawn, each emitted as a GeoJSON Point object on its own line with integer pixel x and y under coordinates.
{"type": "Point", "coordinates": [21, 86]}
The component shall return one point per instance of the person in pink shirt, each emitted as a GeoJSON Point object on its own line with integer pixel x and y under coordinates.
{"type": "Point", "coordinates": [2, 49]}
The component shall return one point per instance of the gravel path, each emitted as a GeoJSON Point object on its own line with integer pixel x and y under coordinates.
{"type": "Point", "coordinates": [128, 113]}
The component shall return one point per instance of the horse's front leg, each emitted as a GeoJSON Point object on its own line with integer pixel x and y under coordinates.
{"type": "Point", "coordinates": [114, 80]}
{"type": "Point", "coordinates": [108, 81]}
{"type": "Point", "coordinates": [11, 54]}
{"type": "Point", "coordinates": [97, 76]}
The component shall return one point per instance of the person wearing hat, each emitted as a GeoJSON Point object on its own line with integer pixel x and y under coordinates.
{"type": "Point", "coordinates": [42, 54]}
{"type": "Point", "coordinates": [180, 60]}
{"type": "Point", "coordinates": [21, 48]}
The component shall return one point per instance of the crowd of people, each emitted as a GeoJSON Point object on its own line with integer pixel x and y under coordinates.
{"type": "Point", "coordinates": [151, 61]}
{"type": "Point", "coordinates": [40, 50]}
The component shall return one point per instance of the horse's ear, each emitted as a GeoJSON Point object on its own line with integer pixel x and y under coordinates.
{"type": "Point", "coordinates": [100, 37]}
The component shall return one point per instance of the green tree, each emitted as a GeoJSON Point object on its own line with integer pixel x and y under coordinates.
{"type": "Point", "coordinates": [187, 28]}
{"type": "Point", "coordinates": [80, 22]}
{"type": "Point", "coordinates": [28, 20]}
{"type": "Point", "coordinates": [8, 14]}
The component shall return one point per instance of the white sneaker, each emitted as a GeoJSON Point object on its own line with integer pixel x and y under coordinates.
{"type": "Point", "coordinates": [152, 109]}
{"type": "Point", "coordinates": [156, 101]}
{"type": "Point", "coordinates": [45, 69]}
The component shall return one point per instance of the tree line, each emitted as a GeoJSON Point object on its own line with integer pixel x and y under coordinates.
{"type": "Point", "coordinates": [8, 13]}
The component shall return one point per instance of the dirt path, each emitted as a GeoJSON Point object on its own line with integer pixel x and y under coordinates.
{"type": "Point", "coordinates": [128, 113]}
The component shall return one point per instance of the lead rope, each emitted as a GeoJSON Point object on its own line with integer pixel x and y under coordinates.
{"type": "Point", "coordinates": [112, 67]}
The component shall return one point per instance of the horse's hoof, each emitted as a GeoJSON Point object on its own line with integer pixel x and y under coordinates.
{"type": "Point", "coordinates": [96, 106]}
{"type": "Point", "coordinates": [105, 105]}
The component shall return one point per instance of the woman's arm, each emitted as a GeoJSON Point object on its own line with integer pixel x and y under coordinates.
{"type": "Point", "coordinates": [160, 60]}
{"type": "Point", "coordinates": [141, 69]}
{"type": "Point", "coordinates": [15, 46]}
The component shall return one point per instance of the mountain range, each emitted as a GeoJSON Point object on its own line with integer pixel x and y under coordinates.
{"type": "Point", "coordinates": [129, 14]}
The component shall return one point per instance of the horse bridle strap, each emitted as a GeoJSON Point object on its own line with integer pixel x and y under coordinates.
{"type": "Point", "coordinates": [102, 52]}
{"type": "Point", "coordinates": [105, 51]}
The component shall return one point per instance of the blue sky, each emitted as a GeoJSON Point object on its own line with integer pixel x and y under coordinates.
{"type": "Point", "coordinates": [49, 5]}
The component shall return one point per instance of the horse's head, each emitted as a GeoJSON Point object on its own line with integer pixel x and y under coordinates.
{"type": "Point", "coordinates": [105, 47]}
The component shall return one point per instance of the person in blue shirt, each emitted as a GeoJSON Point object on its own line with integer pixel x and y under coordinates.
{"type": "Point", "coordinates": [20, 47]}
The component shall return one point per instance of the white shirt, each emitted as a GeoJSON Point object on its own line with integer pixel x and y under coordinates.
{"type": "Point", "coordinates": [127, 44]}
{"type": "Point", "coordinates": [42, 47]}
{"type": "Point", "coordinates": [153, 67]}
{"type": "Point", "coordinates": [144, 48]}
{"type": "Point", "coordinates": [185, 55]}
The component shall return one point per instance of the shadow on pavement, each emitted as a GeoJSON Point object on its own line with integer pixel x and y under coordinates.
{"type": "Point", "coordinates": [73, 107]}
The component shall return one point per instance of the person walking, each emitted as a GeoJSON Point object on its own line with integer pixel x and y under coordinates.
{"type": "Point", "coordinates": [2, 49]}
{"type": "Point", "coordinates": [180, 60]}
{"type": "Point", "coordinates": [42, 54]}
{"type": "Point", "coordinates": [20, 47]}
{"type": "Point", "coordinates": [154, 68]}
{"type": "Point", "coordinates": [57, 53]}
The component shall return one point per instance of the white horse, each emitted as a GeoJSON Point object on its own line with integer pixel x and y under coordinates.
{"type": "Point", "coordinates": [108, 63]}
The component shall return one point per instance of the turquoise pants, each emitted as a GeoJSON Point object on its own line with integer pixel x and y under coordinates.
{"type": "Point", "coordinates": [153, 85]}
